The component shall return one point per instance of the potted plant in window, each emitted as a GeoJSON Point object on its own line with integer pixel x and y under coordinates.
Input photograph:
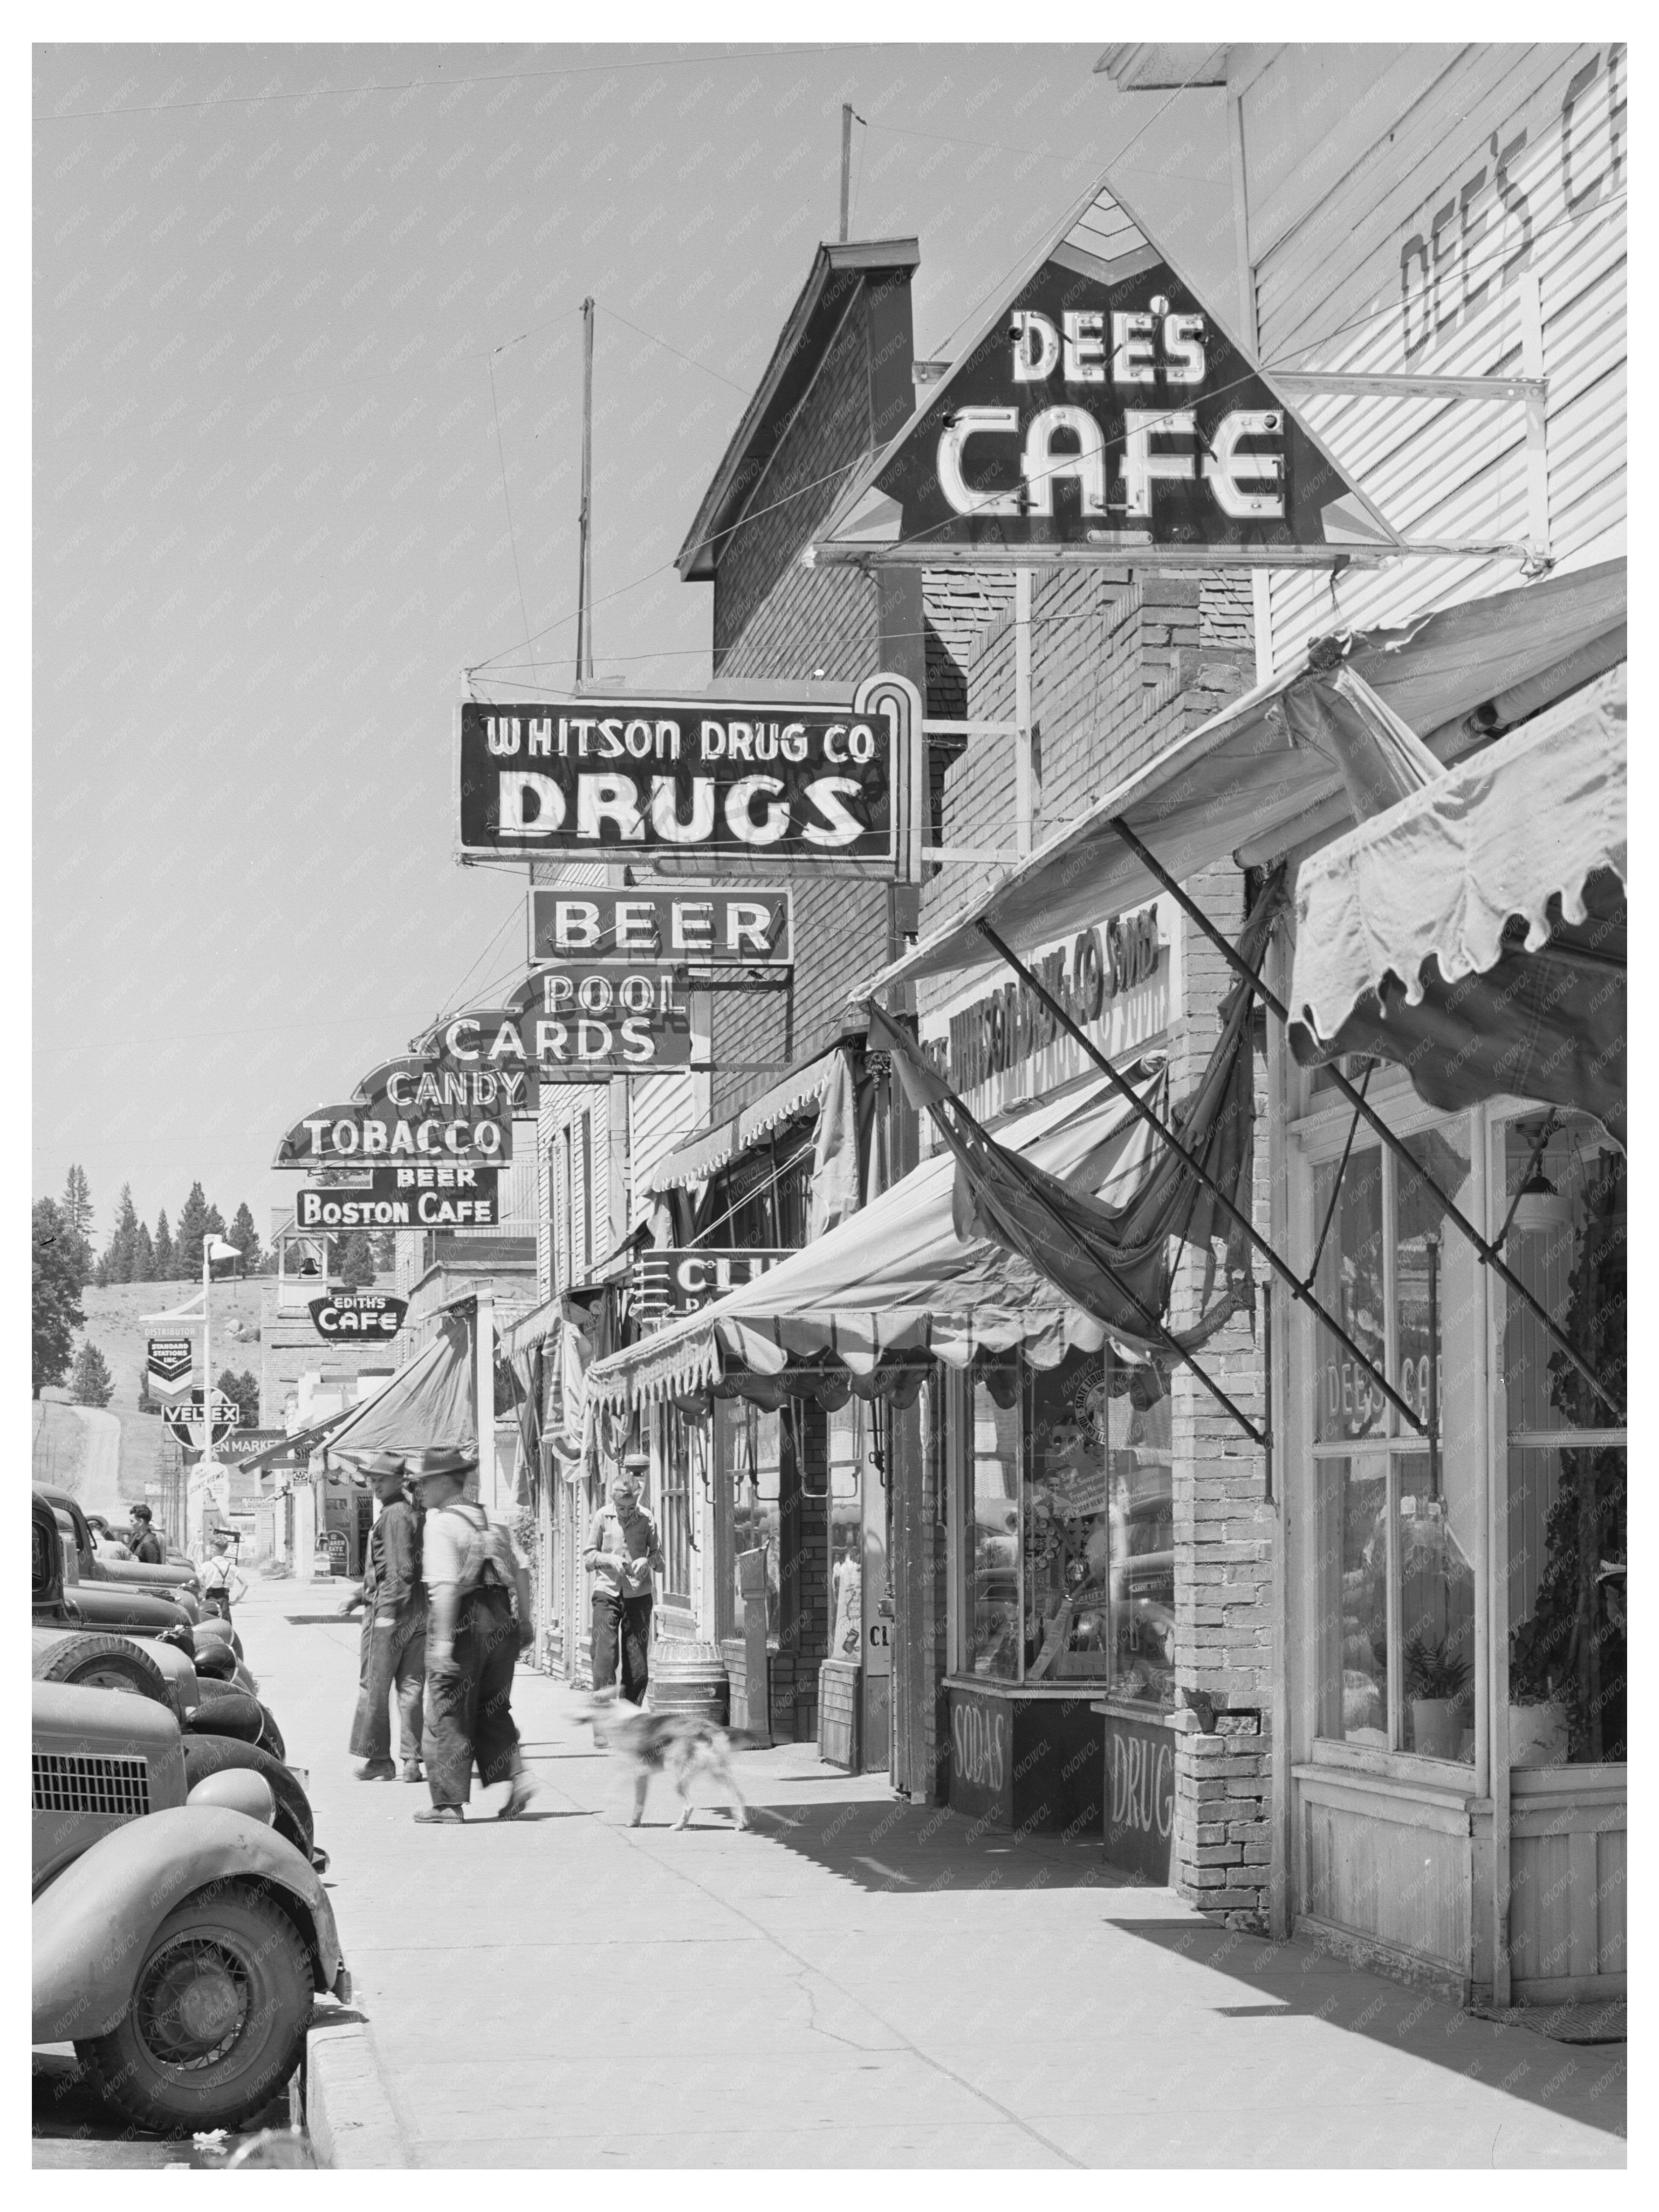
{"type": "Point", "coordinates": [1538, 1714]}
{"type": "Point", "coordinates": [1435, 1680]}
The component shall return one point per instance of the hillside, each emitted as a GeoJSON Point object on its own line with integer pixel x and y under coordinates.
{"type": "Point", "coordinates": [116, 1325]}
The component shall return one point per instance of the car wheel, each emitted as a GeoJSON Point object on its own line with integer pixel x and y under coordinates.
{"type": "Point", "coordinates": [103, 1663]}
{"type": "Point", "coordinates": [217, 2018]}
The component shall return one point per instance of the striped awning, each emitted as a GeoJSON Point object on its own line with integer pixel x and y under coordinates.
{"type": "Point", "coordinates": [898, 1277]}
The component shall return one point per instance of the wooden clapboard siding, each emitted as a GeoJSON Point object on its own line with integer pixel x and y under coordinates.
{"type": "Point", "coordinates": [1327, 274]}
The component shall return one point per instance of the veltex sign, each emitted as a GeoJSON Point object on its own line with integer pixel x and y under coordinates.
{"type": "Point", "coordinates": [187, 1419]}
{"type": "Point", "coordinates": [408, 1110]}
{"type": "Point", "coordinates": [363, 1315]}
{"type": "Point", "coordinates": [704, 778]}
{"type": "Point", "coordinates": [1103, 408]}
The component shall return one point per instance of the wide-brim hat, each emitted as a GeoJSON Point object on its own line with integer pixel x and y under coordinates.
{"type": "Point", "coordinates": [636, 1462]}
{"type": "Point", "coordinates": [366, 1466]}
{"type": "Point", "coordinates": [441, 1459]}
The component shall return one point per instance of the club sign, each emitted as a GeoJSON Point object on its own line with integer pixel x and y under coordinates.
{"type": "Point", "coordinates": [777, 780]}
{"type": "Point", "coordinates": [669, 1283]}
{"type": "Point", "coordinates": [369, 1316]}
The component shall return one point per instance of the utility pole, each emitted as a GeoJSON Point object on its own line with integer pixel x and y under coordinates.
{"type": "Point", "coordinates": [585, 575]}
{"type": "Point", "coordinates": [846, 162]}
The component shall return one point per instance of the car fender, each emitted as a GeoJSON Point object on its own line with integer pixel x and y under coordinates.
{"type": "Point", "coordinates": [93, 1926]}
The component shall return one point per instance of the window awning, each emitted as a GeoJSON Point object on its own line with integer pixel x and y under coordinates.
{"type": "Point", "coordinates": [705, 1155]}
{"type": "Point", "coordinates": [1475, 931]}
{"type": "Point", "coordinates": [429, 1403]}
{"type": "Point", "coordinates": [1259, 767]}
{"type": "Point", "coordinates": [896, 1277]}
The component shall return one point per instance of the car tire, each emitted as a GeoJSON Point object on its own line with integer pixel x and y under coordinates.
{"type": "Point", "coordinates": [103, 1663]}
{"type": "Point", "coordinates": [214, 1754]}
{"type": "Point", "coordinates": [217, 2019]}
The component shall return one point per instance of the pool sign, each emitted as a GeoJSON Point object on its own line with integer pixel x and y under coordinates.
{"type": "Point", "coordinates": [575, 1024]}
{"type": "Point", "coordinates": [357, 1317]}
{"type": "Point", "coordinates": [785, 781]}
{"type": "Point", "coordinates": [1103, 409]}
{"type": "Point", "coordinates": [409, 1111]}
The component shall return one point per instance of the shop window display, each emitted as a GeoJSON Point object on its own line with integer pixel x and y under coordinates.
{"type": "Point", "coordinates": [1068, 1542]}
{"type": "Point", "coordinates": [751, 1456]}
{"type": "Point", "coordinates": [1399, 1519]}
{"type": "Point", "coordinates": [1568, 1536]}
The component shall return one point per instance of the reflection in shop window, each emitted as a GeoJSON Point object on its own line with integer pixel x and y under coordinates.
{"type": "Point", "coordinates": [1568, 1528]}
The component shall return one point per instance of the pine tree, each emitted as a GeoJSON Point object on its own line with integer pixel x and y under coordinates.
{"type": "Point", "coordinates": [194, 1222]}
{"type": "Point", "coordinates": [356, 1269]}
{"type": "Point", "coordinates": [91, 1382]}
{"type": "Point", "coordinates": [144, 1257]}
{"type": "Point", "coordinates": [165, 1259]}
{"type": "Point", "coordinates": [55, 1299]}
{"type": "Point", "coordinates": [76, 1205]}
{"type": "Point", "coordinates": [246, 1237]}
{"type": "Point", "coordinates": [244, 1390]}
{"type": "Point", "coordinates": [120, 1253]}
{"type": "Point", "coordinates": [384, 1245]}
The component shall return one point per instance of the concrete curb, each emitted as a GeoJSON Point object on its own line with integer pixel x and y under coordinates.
{"type": "Point", "coordinates": [351, 2119]}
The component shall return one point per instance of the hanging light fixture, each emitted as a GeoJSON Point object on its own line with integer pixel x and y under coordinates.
{"type": "Point", "coordinates": [1540, 1209]}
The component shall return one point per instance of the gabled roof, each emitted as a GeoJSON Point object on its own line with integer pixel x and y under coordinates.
{"type": "Point", "coordinates": [836, 273]}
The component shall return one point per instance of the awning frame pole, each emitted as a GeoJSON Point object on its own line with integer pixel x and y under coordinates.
{"type": "Point", "coordinates": [1280, 1267]}
{"type": "Point", "coordinates": [1487, 1257]}
{"type": "Point", "coordinates": [1262, 1439]}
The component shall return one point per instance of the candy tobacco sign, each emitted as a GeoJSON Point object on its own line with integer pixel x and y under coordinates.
{"type": "Point", "coordinates": [777, 780]}
{"type": "Point", "coordinates": [410, 1110]}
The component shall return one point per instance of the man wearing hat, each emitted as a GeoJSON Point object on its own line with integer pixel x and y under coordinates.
{"type": "Point", "coordinates": [623, 1555]}
{"type": "Point", "coordinates": [472, 1641]}
{"type": "Point", "coordinates": [394, 1630]}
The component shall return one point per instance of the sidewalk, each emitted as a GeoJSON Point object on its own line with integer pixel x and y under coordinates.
{"type": "Point", "coordinates": [857, 1983]}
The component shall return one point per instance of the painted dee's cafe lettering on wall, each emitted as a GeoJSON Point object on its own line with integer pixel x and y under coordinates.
{"type": "Point", "coordinates": [1095, 977]}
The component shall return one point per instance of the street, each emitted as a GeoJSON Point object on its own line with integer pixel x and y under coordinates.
{"type": "Point", "coordinates": [857, 1983]}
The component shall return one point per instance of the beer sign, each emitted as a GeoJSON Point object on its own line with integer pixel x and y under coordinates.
{"type": "Point", "coordinates": [360, 1316]}
{"type": "Point", "coordinates": [415, 1197]}
{"type": "Point", "coordinates": [706, 927]}
{"type": "Point", "coordinates": [699, 779]}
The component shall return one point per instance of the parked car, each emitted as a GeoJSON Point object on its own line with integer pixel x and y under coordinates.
{"type": "Point", "coordinates": [179, 1940]}
{"type": "Point", "coordinates": [180, 1581]}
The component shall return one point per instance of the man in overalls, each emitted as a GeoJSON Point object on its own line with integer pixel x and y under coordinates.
{"type": "Point", "coordinates": [394, 1631]}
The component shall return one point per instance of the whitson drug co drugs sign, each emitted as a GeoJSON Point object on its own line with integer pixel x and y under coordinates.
{"type": "Point", "coordinates": [778, 780]}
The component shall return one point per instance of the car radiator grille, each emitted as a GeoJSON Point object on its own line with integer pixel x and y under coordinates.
{"type": "Point", "coordinates": [80, 1782]}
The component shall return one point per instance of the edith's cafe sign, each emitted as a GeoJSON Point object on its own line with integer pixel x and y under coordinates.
{"type": "Point", "coordinates": [1118, 980]}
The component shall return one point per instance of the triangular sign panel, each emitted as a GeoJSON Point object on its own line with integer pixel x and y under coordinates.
{"type": "Point", "coordinates": [1104, 408]}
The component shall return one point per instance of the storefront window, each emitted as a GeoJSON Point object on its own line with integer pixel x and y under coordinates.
{"type": "Point", "coordinates": [848, 1443]}
{"type": "Point", "coordinates": [1068, 1552]}
{"type": "Point", "coordinates": [1399, 1523]}
{"type": "Point", "coordinates": [1568, 1535]}
{"type": "Point", "coordinates": [684, 1471]}
{"type": "Point", "coordinates": [751, 1456]}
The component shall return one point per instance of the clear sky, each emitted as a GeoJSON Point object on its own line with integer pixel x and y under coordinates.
{"type": "Point", "coordinates": [307, 327]}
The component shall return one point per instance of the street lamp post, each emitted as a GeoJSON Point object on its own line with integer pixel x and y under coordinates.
{"type": "Point", "coordinates": [213, 1247]}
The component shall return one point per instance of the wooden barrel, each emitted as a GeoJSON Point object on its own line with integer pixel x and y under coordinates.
{"type": "Point", "coordinates": [688, 1679]}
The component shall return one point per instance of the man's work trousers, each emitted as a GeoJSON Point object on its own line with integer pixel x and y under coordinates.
{"type": "Point", "coordinates": [624, 1622]}
{"type": "Point", "coordinates": [393, 1658]}
{"type": "Point", "coordinates": [469, 1712]}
